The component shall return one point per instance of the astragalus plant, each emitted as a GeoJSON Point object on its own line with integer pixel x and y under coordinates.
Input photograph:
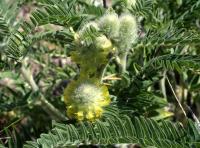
{"type": "Point", "coordinates": [99, 73]}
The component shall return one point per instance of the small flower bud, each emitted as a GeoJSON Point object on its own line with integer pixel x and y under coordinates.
{"type": "Point", "coordinates": [102, 42]}
{"type": "Point", "coordinates": [127, 31]}
{"type": "Point", "coordinates": [110, 25]}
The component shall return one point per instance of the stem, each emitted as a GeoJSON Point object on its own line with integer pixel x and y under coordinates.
{"type": "Point", "coordinates": [163, 88]}
{"type": "Point", "coordinates": [179, 103]}
{"type": "Point", "coordinates": [194, 117]}
{"type": "Point", "coordinates": [104, 69]}
{"type": "Point", "coordinates": [122, 62]}
{"type": "Point", "coordinates": [29, 78]}
{"type": "Point", "coordinates": [45, 104]}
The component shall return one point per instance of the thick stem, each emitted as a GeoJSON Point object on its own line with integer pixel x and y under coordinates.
{"type": "Point", "coordinates": [104, 70]}
{"type": "Point", "coordinates": [163, 85]}
{"type": "Point", "coordinates": [123, 61]}
{"type": "Point", "coordinates": [29, 78]}
{"type": "Point", "coordinates": [45, 104]}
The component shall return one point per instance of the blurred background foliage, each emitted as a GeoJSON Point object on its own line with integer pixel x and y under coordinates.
{"type": "Point", "coordinates": [35, 42]}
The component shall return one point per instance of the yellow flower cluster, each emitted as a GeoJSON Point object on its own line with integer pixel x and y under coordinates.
{"type": "Point", "coordinates": [91, 59]}
{"type": "Point", "coordinates": [85, 99]}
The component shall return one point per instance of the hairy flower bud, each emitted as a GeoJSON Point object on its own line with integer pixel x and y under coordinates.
{"type": "Point", "coordinates": [102, 42]}
{"type": "Point", "coordinates": [85, 99]}
{"type": "Point", "coordinates": [110, 25]}
{"type": "Point", "coordinates": [127, 31]}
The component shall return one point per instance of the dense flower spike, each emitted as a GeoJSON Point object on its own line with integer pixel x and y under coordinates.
{"type": "Point", "coordinates": [85, 99]}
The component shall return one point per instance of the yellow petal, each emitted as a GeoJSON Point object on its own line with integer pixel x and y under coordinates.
{"type": "Point", "coordinates": [80, 115]}
{"type": "Point", "coordinates": [98, 111]}
{"type": "Point", "coordinates": [90, 115]}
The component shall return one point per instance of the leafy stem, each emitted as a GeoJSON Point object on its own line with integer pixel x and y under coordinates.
{"type": "Point", "coordinates": [45, 104]}
{"type": "Point", "coordinates": [122, 62]}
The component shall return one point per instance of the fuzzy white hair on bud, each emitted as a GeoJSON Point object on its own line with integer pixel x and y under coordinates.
{"type": "Point", "coordinates": [109, 23]}
{"type": "Point", "coordinates": [127, 31]}
{"type": "Point", "coordinates": [86, 94]}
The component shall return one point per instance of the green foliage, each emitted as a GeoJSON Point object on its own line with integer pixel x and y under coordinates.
{"type": "Point", "coordinates": [52, 14]}
{"type": "Point", "coordinates": [120, 129]}
{"type": "Point", "coordinates": [177, 62]}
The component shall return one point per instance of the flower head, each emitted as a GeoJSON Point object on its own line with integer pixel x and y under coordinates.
{"type": "Point", "coordinates": [85, 99]}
